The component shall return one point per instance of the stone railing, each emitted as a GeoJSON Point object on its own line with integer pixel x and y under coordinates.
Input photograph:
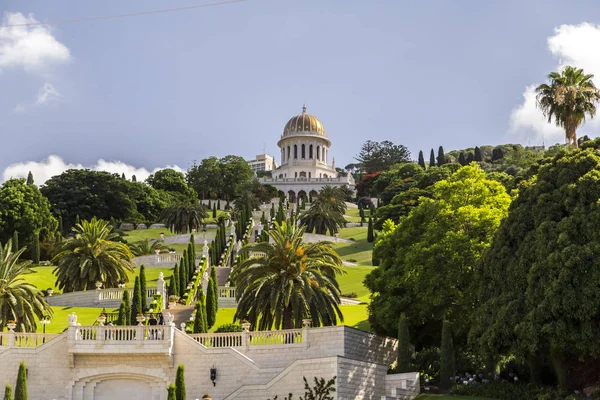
{"type": "Point", "coordinates": [342, 179]}
{"type": "Point", "coordinates": [117, 294]}
{"type": "Point", "coordinates": [246, 338]}
{"type": "Point", "coordinates": [22, 339]}
{"type": "Point", "coordinates": [161, 259]}
{"type": "Point", "coordinates": [226, 292]}
{"type": "Point", "coordinates": [94, 298]}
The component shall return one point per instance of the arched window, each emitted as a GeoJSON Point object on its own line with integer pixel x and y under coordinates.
{"type": "Point", "coordinates": [310, 152]}
{"type": "Point", "coordinates": [295, 152]}
{"type": "Point", "coordinates": [282, 156]}
{"type": "Point", "coordinates": [323, 154]}
{"type": "Point", "coordinates": [324, 175]}
{"type": "Point", "coordinates": [309, 175]}
{"type": "Point", "coordinates": [302, 174]}
{"type": "Point", "coordinates": [281, 175]}
{"type": "Point", "coordinates": [303, 152]}
{"type": "Point", "coordinates": [318, 152]}
{"type": "Point", "coordinates": [295, 174]}
{"type": "Point", "coordinates": [288, 155]}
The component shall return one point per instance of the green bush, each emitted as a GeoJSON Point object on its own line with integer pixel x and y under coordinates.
{"type": "Point", "coordinates": [229, 328]}
{"type": "Point", "coordinates": [503, 390]}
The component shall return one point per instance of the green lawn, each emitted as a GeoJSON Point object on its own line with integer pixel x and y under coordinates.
{"type": "Point", "coordinates": [448, 397]}
{"type": "Point", "coordinates": [359, 251]}
{"type": "Point", "coordinates": [352, 281]}
{"type": "Point", "coordinates": [59, 321]}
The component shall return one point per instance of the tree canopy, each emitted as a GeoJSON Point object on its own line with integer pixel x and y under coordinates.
{"type": "Point", "coordinates": [380, 156]}
{"type": "Point", "coordinates": [222, 178]}
{"type": "Point", "coordinates": [429, 259]}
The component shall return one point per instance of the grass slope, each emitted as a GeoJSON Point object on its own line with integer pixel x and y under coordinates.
{"type": "Point", "coordinates": [59, 321]}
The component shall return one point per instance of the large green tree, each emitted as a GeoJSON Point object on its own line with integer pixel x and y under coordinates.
{"type": "Point", "coordinates": [380, 156]}
{"type": "Point", "coordinates": [292, 281]}
{"type": "Point", "coordinates": [24, 209]}
{"type": "Point", "coordinates": [569, 97]}
{"type": "Point", "coordinates": [428, 262]}
{"type": "Point", "coordinates": [326, 212]}
{"type": "Point", "coordinates": [19, 301]}
{"type": "Point", "coordinates": [222, 178]}
{"type": "Point", "coordinates": [183, 217]}
{"type": "Point", "coordinates": [92, 255]}
{"type": "Point", "coordinates": [539, 280]}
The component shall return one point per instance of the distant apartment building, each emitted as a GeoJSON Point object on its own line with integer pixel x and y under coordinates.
{"type": "Point", "coordinates": [263, 162]}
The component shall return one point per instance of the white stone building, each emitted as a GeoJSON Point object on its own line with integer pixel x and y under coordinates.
{"type": "Point", "coordinates": [305, 167]}
{"type": "Point", "coordinates": [262, 162]}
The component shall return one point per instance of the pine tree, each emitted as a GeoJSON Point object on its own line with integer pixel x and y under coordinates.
{"type": "Point", "coordinates": [478, 157]}
{"type": "Point", "coordinates": [175, 279]}
{"type": "Point", "coordinates": [21, 387]}
{"type": "Point", "coordinates": [125, 309]}
{"type": "Point", "coordinates": [370, 237]}
{"type": "Point", "coordinates": [182, 280]}
{"type": "Point", "coordinates": [30, 178]}
{"type": "Point", "coordinates": [421, 159]}
{"type": "Point", "coordinates": [404, 347]}
{"type": "Point", "coordinates": [171, 392]}
{"type": "Point", "coordinates": [214, 211]}
{"type": "Point", "coordinates": [133, 178]}
{"type": "Point", "coordinates": [136, 303]}
{"type": "Point", "coordinates": [432, 158]}
{"type": "Point", "coordinates": [447, 368]}
{"type": "Point", "coordinates": [35, 248]}
{"type": "Point", "coordinates": [8, 392]}
{"type": "Point", "coordinates": [15, 242]}
{"type": "Point", "coordinates": [123, 175]}
{"type": "Point", "coordinates": [190, 266]}
{"type": "Point", "coordinates": [143, 291]}
{"type": "Point", "coordinates": [461, 159]}
{"type": "Point", "coordinates": [218, 204]}
{"type": "Point", "coordinates": [180, 384]}
{"type": "Point", "coordinates": [441, 158]}
{"type": "Point", "coordinates": [200, 317]}
{"type": "Point", "coordinates": [272, 211]}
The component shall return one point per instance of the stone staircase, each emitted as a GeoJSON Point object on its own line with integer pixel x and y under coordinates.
{"type": "Point", "coordinates": [402, 386]}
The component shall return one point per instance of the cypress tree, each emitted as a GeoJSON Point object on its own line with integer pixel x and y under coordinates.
{"type": "Point", "coordinates": [478, 157]}
{"type": "Point", "coordinates": [404, 347]}
{"type": "Point", "coordinates": [227, 205]}
{"type": "Point", "coordinates": [447, 368]}
{"type": "Point", "coordinates": [136, 302]}
{"type": "Point", "coordinates": [200, 317]}
{"type": "Point", "coordinates": [171, 287]}
{"type": "Point", "coordinates": [175, 279]}
{"type": "Point", "coordinates": [218, 204]}
{"type": "Point", "coordinates": [143, 291]}
{"type": "Point", "coordinates": [441, 158]}
{"type": "Point", "coordinates": [210, 302]}
{"type": "Point", "coordinates": [30, 178]}
{"type": "Point", "coordinates": [421, 159]}
{"type": "Point", "coordinates": [214, 211]}
{"type": "Point", "coordinates": [209, 204]}
{"type": "Point", "coordinates": [190, 258]}
{"type": "Point", "coordinates": [21, 387]}
{"type": "Point", "coordinates": [15, 242]}
{"type": "Point", "coordinates": [123, 175]}
{"type": "Point", "coordinates": [125, 309]}
{"type": "Point", "coordinates": [77, 219]}
{"type": "Point", "coordinates": [272, 211]}
{"type": "Point", "coordinates": [470, 158]}
{"type": "Point", "coordinates": [171, 392]}
{"type": "Point", "coordinates": [370, 237]}
{"type": "Point", "coordinates": [35, 248]}
{"type": "Point", "coordinates": [432, 158]}
{"type": "Point", "coordinates": [133, 178]}
{"type": "Point", "coordinates": [8, 392]}
{"type": "Point", "coordinates": [182, 280]}
{"type": "Point", "coordinates": [461, 159]}
{"type": "Point", "coordinates": [180, 384]}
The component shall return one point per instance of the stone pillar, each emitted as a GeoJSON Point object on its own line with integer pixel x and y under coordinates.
{"type": "Point", "coordinates": [305, 325]}
{"type": "Point", "coordinates": [161, 289]}
{"type": "Point", "coordinates": [246, 335]}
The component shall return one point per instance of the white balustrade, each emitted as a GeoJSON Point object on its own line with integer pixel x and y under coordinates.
{"type": "Point", "coordinates": [24, 339]}
{"type": "Point", "coordinates": [259, 338]}
{"type": "Point", "coordinates": [226, 292]}
{"type": "Point", "coordinates": [266, 338]}
{"type": "Point", "coordinates": [227, 339]}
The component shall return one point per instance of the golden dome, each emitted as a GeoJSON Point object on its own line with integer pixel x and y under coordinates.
{"type": "Point", "coordinates": [304, 123]}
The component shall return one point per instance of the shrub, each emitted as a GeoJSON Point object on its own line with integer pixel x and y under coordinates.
{"type": "Point", "coordinates": [351, 295]}
{"type": "Point", "coordinates": [503, 390]}
{"type": "Point", "coordinates": [229, 328]}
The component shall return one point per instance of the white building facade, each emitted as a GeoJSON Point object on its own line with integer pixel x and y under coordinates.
{"type": "Point", "coordinates": [305, 168]}
{"type": "Point", "coordinates": [262, 162]}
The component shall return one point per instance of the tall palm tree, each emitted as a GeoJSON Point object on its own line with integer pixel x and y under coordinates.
{"type": "Point", "coordinates": [569, 97]}
{"type": "Point", "coordinates": [292, 281]}
{"type": "Point", "coordinates": [183, 217]}
{"type": "Point", "coordinates": [19, 300]}
{"type": "Point", "coordinates": [326, 212]}
{"type": "Point", "coordinates": [91, 256]}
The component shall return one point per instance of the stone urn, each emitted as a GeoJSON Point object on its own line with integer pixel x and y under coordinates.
{"type": "Point", "coordinates": [50, 292]}
{"type": "Point", "coordinates": [101, 320]}
{"type": "Point", "coordinates": [11, 326]}
{"type": "Point", "coordinates": [98, 285]}
{"type": "Point", "coordinates": [246, 326]}
{"type": "Point", "coordinates": [140, 319]}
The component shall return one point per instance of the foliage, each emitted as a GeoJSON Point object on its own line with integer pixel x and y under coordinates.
{"type": "Point", "coordinates": [21, 386]}
{"type": "Point", "coordinates": [143, 288]}
{"type": "Point", "coordinates": [421, 161]}
{"type": "Point", "coordinates": [171, 392]}
{"type": "Point", "coordinates": [183, 217]}
{"type": "Point", "coordinates": [19, 301]}
{"type": "Point", "coordinates": [432, 158]}
{"type": "Point", "coordinates": [174, 282]}
{"type": "Point", "coordinates": [200, 324]}
{"type": "Point", "coordinates": [125, 310]}
{"type": "Point", "coordinates": [229, 328]}
{"type": "Point", "coordinates": [24, 209]}
{"type": "Point", "coordinates": [370, 236]}
{"type": "Point", "coordinates": [570, 97]}
{"type": "Point", "coordinates": [7, 392]}
{"type": "Point", "coordinates": [539, 278]}
{"type": "Point", "coordinates": [320, 391]}
{"type": "Point", "coordinates": [146, 247]}
{"type": "Point", "coordinates": [136, 302]}
{"type": "Point", "coordinates": [380, 156]}
{"type": "Point", "coordinates": [222, 178]}
{"type": "Point", "coordinates": [293, 281]}
{"type": "Point", "coordinates": [35, 248]}
{"type": "Point", "coordinates": [180, 383]}
{"type": "Point", "coordinates": [326, 212]}
{"type": "Point", "coordinates": [428, 260]}
{"type": "Point", "coordinates": [29, 178]}
{"type": "Point", "coordinates": [404, 346]}
{"type": "Point", "coordinates": [447, 366]}
{"type": "Point", "coordinates": [91, 255]}
{"type": "Point", "coordinates": [212, 298]}
{"type": "Point", "coordinates": [441, 157]}
{"type": "Point", "coordinates": [503, 390]}
{"type": "Point", "coordinates": [171, 181]}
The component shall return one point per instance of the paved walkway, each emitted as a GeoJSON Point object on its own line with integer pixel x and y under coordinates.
{"type": "Point", "coordinates": [313, 237]}
{"type": "Point", "coordinates": [181, 313]}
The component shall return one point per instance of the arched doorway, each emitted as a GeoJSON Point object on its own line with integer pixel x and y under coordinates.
{"type": "Point", "coordinates": [292, 196]}
{"type": "Point", "coordinates": [302, 196]}
{"type": "Point", "coordinates": [312, 195]}
{"type": "Point", "coordinates": [281, 195]}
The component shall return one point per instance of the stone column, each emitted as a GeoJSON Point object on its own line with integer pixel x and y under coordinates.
{"type": "Point", "coordinates": [305, 325]}
{"type": "Point", "coordinates": [161, 289]}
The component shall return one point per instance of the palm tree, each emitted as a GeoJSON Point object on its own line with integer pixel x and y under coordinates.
{"type": "Point", "coordinates": [91, 256]}
{"type": "Point", "coordinates": [292, 281]}
{"type": "Point", "coordinates": [569, 97]}
{"type": "Point", "coordinates": [183, 217]}
{"type": "Point", "coordinates": [326, 212]}
{"type": "Point", "coordinates": [19, 301]}
{"type": "Point", "coordinates": [146, 247]}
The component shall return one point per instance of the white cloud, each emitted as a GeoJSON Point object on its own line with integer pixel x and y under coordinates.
{"type": "Point", "coordinates": [47, 94]}
{"type": "Point", "coordinates": [574, 45]}
{"type": "Point", "coordinates": [55, 165]}
{"type": "Point", "coordinates": [32, 48]}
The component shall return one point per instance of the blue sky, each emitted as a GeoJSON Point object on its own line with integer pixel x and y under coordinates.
{"type": "Point", "coordinates": [167, 89]}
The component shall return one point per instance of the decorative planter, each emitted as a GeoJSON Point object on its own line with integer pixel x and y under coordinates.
{"type": "Point", "coordinates": [157, 251]}
{"type": "Point", "coordinates": [246, 326]}
{"type": "Point", "coordinates": [140, 319]}
{"type": "Point", "coordinates": [98, 285]}
{"type": "Point", "coordinates": [206, 397]}
{"type": "Point", "coordinates": [50, 292]}
{"type": "Point", "coordinates": [101, 320]}
{"type": "Point", "coordinates": [11, 326]}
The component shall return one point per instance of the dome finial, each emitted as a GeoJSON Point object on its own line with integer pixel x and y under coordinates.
{"type": "Point", "coordinates": [304, 108]}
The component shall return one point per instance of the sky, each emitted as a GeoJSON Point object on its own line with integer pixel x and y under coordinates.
{"type": "Point", "coordinates": [137, 94]}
